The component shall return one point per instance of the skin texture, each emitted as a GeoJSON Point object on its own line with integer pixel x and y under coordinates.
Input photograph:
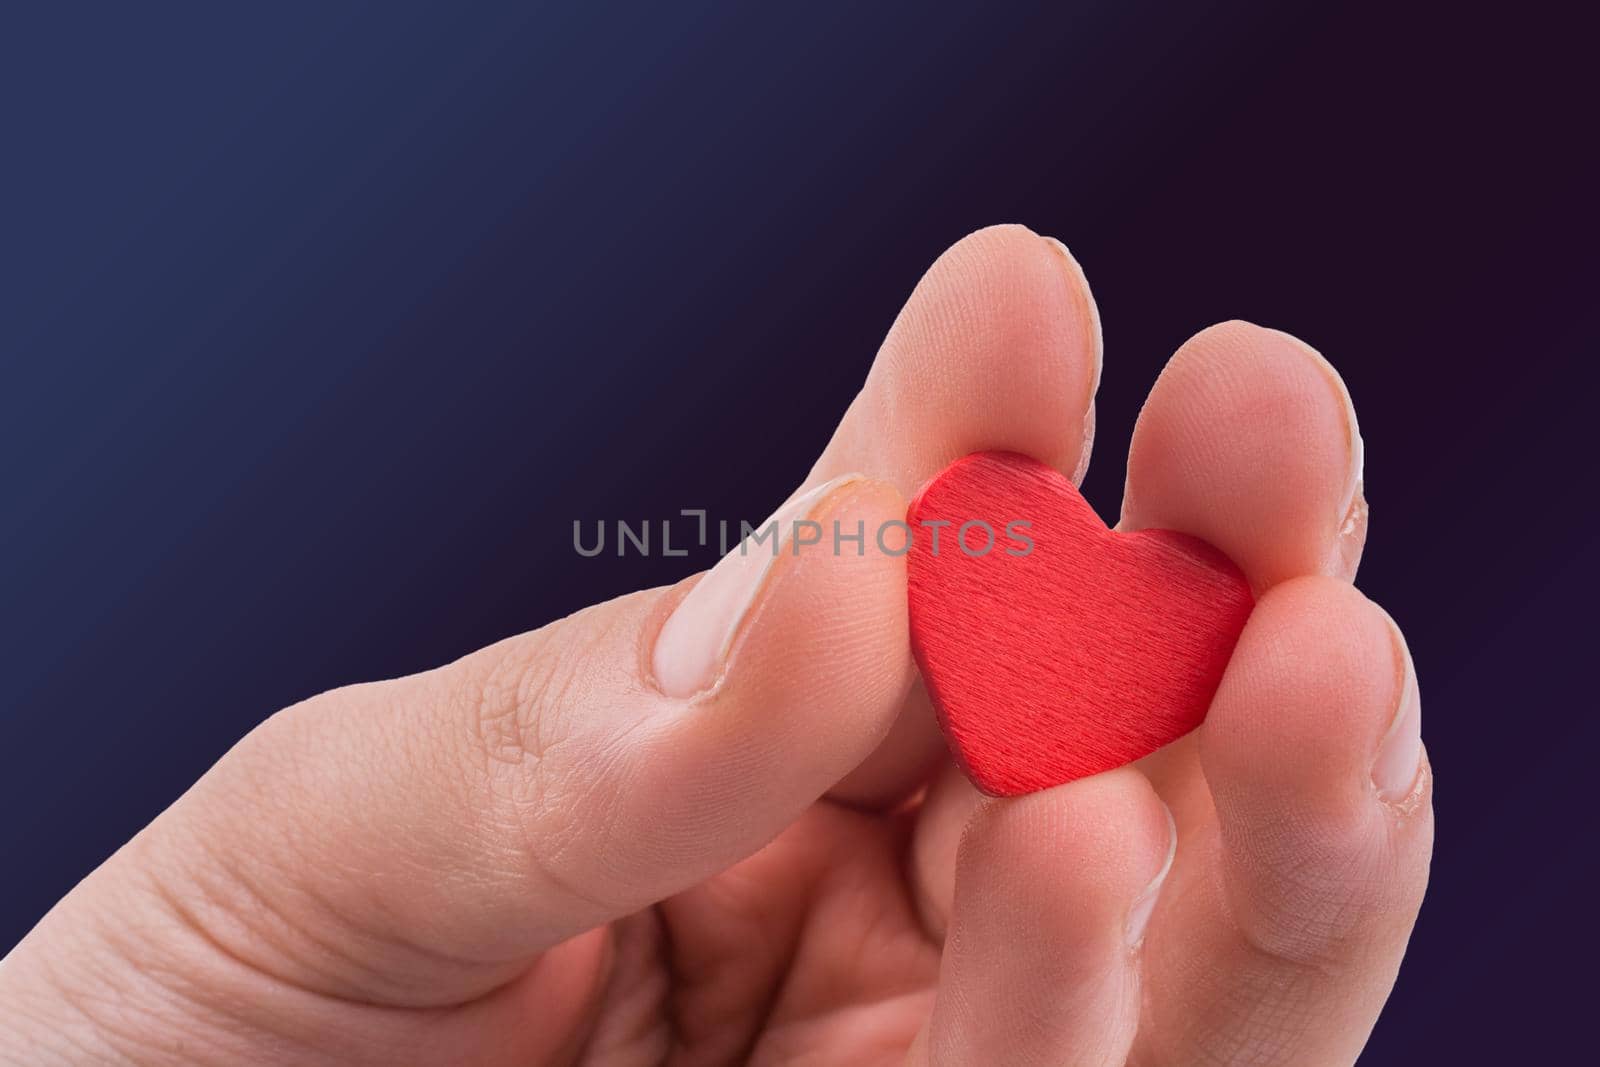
{"type": "Point", "coordinates": [742, 842]}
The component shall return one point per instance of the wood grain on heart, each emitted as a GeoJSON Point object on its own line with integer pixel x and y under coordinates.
{"type": "Point", "coordinates": [1054, 648]}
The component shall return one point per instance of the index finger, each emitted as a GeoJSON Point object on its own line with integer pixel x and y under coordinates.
{"type": "Point", "coordinates": [999, 348]}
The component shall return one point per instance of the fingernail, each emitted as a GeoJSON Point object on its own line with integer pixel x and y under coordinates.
{"type": "Point", "coordinates": [1352, 508]}
{"type": "Point", "coordinates": [1097, 343]}
{"type": "Point", "coordinates": [1086, 450]}
{"type": "Point", "coordinates": [695, 640]}
{"type": "Point", "coordinates": [1144, 905]}
{"type": "Point", "coordinates": [1394, 771]}
{"type": "Point", "coordinates": [1352, 538]}
{"type": "Point", "coordinates": [1356, 474]}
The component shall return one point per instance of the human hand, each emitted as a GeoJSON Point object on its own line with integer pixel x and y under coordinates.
{"type": "Point", "coordinates": [714, 823]}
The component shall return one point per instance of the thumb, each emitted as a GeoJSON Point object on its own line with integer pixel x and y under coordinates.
{"type": "Point", "coordinates": [419, 841]}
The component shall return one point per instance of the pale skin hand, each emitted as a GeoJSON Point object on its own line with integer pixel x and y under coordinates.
{"type": "Point", "coordinates": [627, 840]}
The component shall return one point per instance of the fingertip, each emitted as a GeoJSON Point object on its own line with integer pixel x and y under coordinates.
{"type": "Point", "coordinates": [998, 347]}
{"type": "Point", "coordinates": [832, 618]}
{"type": "Point", "coordinates": [1105, 838]}
{"type": "Point", "coordinates": [1248, 440]}
{"type": "Point", "coordinates": [1051, 896]}
{"type": "Point", "coordinates": [853, 519]}
{"type": "Point", "coordinates": [1312, 686]}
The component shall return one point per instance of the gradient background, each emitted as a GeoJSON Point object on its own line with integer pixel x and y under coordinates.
{"type": "Point", "coordinates": [320, 325]}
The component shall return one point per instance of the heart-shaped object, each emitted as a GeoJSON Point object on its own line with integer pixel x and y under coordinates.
{"type": "Point", "coordinates": [1054, 648]}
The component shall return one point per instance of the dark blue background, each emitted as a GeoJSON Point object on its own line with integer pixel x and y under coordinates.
{"type": "Point", "coordinates": [320, 324]}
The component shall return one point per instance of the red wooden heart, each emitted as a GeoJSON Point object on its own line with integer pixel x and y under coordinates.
{"type": "Point", "coordinates": [1065, 649]}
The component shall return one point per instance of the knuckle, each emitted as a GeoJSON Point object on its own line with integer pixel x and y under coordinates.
{"type": "Point", "coordinates": [543, 774]}
{"type": "Point", "coordinates": [505, 700]}
{"type": "Point", "coordinates": [1317, 894]}
{"type": "Point", "coordinates": [522, 696]}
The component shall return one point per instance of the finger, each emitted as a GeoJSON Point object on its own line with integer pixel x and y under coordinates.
{"type": "Point", "coordinates": [997, 348]}
{"type": "Point", "coordinates": [1052, 893]}
{"type": "Point", "coordinates": [417, 842]}
{"type": "Point", "coordinates": [1249, 441]}
{"type": "Point", "coordinates": [1306, 885]}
